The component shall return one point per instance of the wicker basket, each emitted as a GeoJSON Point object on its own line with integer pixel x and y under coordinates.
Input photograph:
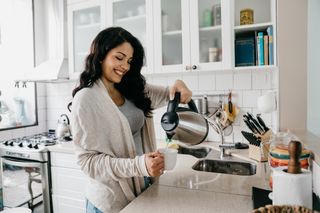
{"type": "Point", "coordinates": [283, 209]}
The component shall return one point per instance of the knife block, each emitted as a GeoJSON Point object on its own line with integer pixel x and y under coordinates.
{"type": "Point", "coordinates": [260, 153]}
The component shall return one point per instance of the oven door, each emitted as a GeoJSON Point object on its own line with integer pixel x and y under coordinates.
{"type": "Point", "coordinates": [23, 183]}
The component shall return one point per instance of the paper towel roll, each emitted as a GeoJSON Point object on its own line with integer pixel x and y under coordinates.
{"type": "Point", "coordinates": [292, 189]}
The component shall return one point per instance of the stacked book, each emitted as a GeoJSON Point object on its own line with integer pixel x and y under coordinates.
{"type": "Point", "coordinates": [254, 48]}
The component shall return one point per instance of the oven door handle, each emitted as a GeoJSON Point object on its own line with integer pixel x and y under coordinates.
{"type": "Point", "coordinates": [20, 163]}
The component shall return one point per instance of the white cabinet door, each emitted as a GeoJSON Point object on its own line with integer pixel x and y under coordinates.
{"type": "Point", "coordinates": [84, 24]}
{"type": "Point", "coordinates": [68, 184]}
{"type": "Point", "coordinates": [136, 17]}
{"type": "Point", "coordinates": [192, 35]}
{"type": "Point", "coordinates": [68, 205]}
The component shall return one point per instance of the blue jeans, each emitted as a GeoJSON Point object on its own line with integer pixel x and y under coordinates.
{"type": "Point", "coordinates": [90, 208]}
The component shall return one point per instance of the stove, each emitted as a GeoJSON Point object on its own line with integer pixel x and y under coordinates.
{"type": "Point", "coordinates": [25, 170]}
{"type": "Point", "coordinates": [29, 147]}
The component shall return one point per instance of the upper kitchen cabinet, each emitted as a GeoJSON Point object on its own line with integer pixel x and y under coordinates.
{"type": "Point", "coordinates": [191, 35]}
{"type": "Point", "coordinates": [83, 25]}
{"type": "Point", "coordinates": [254, 30]}
{"type": "Point", "coordinates": [136, 17]}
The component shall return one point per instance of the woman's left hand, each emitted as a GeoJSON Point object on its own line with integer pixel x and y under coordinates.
{"type": "Point", "coordinates": [179, 86]}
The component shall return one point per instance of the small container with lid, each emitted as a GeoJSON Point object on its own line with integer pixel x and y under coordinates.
{"type": "Point", "coordinates": [246, 16]}
{"type": "Point", "coordinates": [213, 54]}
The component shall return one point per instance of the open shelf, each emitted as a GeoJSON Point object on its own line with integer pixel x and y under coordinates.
{"type": "Point", "coordinates": [252, 27]}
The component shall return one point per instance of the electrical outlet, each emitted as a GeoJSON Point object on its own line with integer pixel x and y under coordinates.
{"type": "Point", "coordinates": [316, 178]}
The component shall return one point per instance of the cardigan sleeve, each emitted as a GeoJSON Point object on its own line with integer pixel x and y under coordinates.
{"type": "Point", "coordinates": [159, 95]}
{"type": "Point", "coordinates": [90, 142]}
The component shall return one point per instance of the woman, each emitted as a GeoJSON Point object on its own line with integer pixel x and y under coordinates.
{"type": "Point", "coordinates": [112, 125]}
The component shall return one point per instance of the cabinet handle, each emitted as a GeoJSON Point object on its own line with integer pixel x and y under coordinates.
{"type": "Point", "coordinates": [194, 67]}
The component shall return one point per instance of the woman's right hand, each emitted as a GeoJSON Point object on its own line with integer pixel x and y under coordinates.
{"type": "Point", "coordinates": [154, 163]}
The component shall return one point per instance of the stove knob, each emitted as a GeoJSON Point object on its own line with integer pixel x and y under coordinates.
{"type": "Point", "coordinates": [30, 145]}
{"type": "Point", "coordinates": [20, 144]}
{"type": "Point", "coordinates": [11, 143]}
{"type": "Point", "coordinates": [36, 146]}
{"type": "Point", "coordinates": [6, 143]}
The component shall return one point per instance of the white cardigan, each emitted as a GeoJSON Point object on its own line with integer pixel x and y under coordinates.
{"type": "Point", "coordinates": [105, 148]}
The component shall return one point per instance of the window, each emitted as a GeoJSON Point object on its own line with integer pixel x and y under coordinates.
{"type": "Point", "coordinates": [17, 99]}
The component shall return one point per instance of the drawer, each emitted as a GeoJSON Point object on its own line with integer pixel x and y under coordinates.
{"type": "Point", "coordinates": [64, 160]}
{"type": "Point", "coordinates": [68, 182]}
{"type": "Point", "coordinates": [63, 204]}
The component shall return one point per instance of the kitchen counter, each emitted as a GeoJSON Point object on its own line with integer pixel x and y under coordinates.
{"type": "Point", "coordinates": [311, 141]}
{"type": "Point", "coordinates": [187, 190]}
{"type": "Point", "coordinates": [63, 147]}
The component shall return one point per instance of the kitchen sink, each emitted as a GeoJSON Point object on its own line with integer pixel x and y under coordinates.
{"type": "Point", "coordinates": [225, 166]}
{"type": "Point", "coordinates": [199, 152]}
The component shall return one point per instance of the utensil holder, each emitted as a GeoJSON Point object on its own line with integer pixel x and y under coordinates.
{"type": "Point", "coordinates": [260, 153]}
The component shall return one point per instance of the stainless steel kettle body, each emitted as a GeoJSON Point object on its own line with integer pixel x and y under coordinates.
{"type": "Point", "coordinates": [184, 124]}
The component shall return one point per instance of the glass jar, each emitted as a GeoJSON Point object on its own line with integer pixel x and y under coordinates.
{"type": "Point", "coordinates": [279, 154]}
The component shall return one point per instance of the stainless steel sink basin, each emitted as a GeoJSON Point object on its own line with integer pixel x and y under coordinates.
{"type": "Point", "coordinates": [199, 152]}
{"type": "Point", "coordinates": [225, 166]}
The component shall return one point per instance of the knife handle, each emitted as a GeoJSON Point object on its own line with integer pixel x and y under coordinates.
{"type": "Point", "coordinates": [262, 123]}
{"type": "Point", "coordinates": [256, 123]}
{"type": "Point", "coordinates": [251, 126]}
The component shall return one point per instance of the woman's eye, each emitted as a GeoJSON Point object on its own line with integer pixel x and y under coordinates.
{"type": "Point", "coordinates": [119, 58]}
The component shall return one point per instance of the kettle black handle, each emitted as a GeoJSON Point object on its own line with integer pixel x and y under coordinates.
{"type": "Point", "coordinates": [173, 104]}
{"type": "Point", "coordinates": [193, 106]}
{"type": "Point", "coordinates": [68, 121]}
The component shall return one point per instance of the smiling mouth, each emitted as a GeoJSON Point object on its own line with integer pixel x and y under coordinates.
{"type": "Point", "coordinates": [120, 73]}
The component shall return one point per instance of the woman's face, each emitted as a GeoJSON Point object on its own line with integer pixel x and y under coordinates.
{"type": "Point", "coordinates": [117, 63]}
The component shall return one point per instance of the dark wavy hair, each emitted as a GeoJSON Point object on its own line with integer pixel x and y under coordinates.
{"type": "Point", "coordinates": [133, 83]}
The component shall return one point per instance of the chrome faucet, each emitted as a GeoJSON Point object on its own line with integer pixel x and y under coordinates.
{"type": "Point", "coordinates": [223, 146]}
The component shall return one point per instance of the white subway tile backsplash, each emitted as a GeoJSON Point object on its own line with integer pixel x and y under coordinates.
{"type": "Point", "coordinates": [250, 97]}
{"type": "Point", "coordinates": [5, 135]}
{"type": "Point", "coordinates": [246, 87]}
{"type": "Point", "coordinates": [41, 90]}
{"type": "Point", "coordinates": [42, 115]}
{"type": "Point", "coordinates": [224, 81]}
{"type": "Point", "coordinates": [161, 80]}
{"type": "Point", "coordinates": [242, 81]}
{"type": "Point", "coordinates": [191, 80]}
{"type": "Point", "coordinates": [207, 82]}
{"type": "Point", "coordinates": [42, 102]}
{"type": "Point", "coordinates": [261, 80]}
{"type": "Point", "coordinates": [32, 130]}
{"type": "Point", "coordinates": [17, 133]}
{"type": "Point", "coordinates": [60, 89]}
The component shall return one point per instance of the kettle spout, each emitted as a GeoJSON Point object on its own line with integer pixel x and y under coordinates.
{"type": "Point", "coordinates": [169, 136]}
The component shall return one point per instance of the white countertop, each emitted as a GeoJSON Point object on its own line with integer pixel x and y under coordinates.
{"type": "Point", "coordinates": [186, 190]}
{"type": "Point", "coordinates": [64, 147]}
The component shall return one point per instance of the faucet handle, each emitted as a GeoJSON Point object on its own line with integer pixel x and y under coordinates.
{"type": "Point", "coordinates": [227, 146]}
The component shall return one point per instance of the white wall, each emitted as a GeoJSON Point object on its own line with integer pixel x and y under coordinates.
{"type": "Point", "coordinates": [246, 87]}
{"type": "Point", "coordinates": [292, 60]}
{"type": "Point", "coordinates": [313, 121]}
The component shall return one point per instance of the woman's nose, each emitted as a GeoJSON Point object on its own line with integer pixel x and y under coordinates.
{"type": "Point", "coordinates": [125, 66]}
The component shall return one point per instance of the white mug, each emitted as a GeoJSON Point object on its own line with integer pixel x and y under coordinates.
{"type": "Point", "coordinates": [267, 103]}
{"type": "Point", "coordinates": [170, 158]}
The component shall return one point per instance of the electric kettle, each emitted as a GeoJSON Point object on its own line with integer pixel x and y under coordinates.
{"type": "Point", "coordinates": [63, 129]}
{"type": "Point", "coordinates": [184, 124]}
